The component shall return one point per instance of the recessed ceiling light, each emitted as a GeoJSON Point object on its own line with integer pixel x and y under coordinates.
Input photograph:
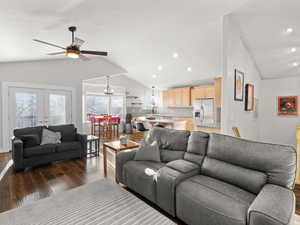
{"type": "Point", "coordinates": [289, 30]}
{"type": "Point", "coordinates": [154, 76]}
{"type": "Point", "coordinates": [189, 69]}
{"type": "Point", "coordinates": [160, 67]}
{"type": "Point", "coordinates": [294, 64]}
{"type": "Point", "coordinates": [175, 55]}
{"type": "Point", "coordinates": [293, 49]}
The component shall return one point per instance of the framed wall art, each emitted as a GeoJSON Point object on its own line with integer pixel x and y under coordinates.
{"type": "Point", "coordinates": [249, 97]}
{"type": "Point", "coordinates": [238, 85]}
{"type": "Point", "coordinates": [287, 106]}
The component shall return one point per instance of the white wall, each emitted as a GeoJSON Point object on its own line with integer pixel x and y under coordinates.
{"type": "Point", "coordinates": [273, 128]}
{"type": "Point", "coordinates": [237, 56]}
{"type": "Point", "coordinates": [69, 73]}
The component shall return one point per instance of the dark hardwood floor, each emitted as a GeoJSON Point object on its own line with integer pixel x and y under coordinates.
{"type": "Point", "coordinates": [17, 189]}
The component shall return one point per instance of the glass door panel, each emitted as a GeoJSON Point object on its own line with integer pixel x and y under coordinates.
{"type": "Point", "coordinates": [26, 110]}
{"type": "Point", "coordinates": [58, 108]}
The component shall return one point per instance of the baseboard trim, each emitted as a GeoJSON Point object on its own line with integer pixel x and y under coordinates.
{"type": "Point", "coordinates": [2, 150]}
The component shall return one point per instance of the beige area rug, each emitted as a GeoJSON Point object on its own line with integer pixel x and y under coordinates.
{"type": "Point", "coordinates": [98, 203]}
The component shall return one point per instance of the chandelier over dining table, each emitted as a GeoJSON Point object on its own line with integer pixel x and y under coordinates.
{"type": "Point", "coordinates": [108, 90]}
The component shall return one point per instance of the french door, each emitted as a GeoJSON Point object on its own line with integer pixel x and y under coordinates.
{"type": "Point", "coordinates": [29, 107]}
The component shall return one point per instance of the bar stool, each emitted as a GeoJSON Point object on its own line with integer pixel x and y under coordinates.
{"type": "Point", "coordinates": [115, 125]}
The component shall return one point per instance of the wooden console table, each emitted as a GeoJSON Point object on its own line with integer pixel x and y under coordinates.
{"type": "Point", "coordinates": [116, 147]}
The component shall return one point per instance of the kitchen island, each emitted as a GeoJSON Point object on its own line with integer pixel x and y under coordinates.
{"type": "Point", "coordinates": [168, 123]}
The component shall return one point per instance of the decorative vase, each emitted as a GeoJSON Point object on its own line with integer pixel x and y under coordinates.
{"type": "Point", "coordinates": [123, 140]}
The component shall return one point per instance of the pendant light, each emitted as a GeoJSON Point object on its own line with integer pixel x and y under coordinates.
{"type": "Point", "coordinates": [108, 90]}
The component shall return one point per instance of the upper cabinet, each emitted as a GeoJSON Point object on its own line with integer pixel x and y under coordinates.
{"type": "Point", "coordinates": [218, 91]}
{"type": "Point", "coordinates": [203, 92]}
{"type": "Point", "coordinates": [184, 97]}
{"type": "Point", "coordinates": [177, 97]}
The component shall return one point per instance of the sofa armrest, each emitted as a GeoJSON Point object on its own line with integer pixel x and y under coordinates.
{"type": "Point", "coordinates": [82, 138]}
{"type": "Point", "coordinates": [274, 205]}
{"type": "Point", "coordinates": [167, 180]}
{"type": "Point", "coordinates": [121, 159]}
{"type": "Point", "coordinates": [17, 153]}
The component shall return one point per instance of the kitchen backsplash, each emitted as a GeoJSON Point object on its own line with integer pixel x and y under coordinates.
{"type": "Point", "coordinates": [173, 112]}
{"type": "Point", "coordinates": [176, 112]}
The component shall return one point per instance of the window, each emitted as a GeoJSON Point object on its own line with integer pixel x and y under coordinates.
{"type": "Point", "coordinates": [99, 104]}
{"type": "Point", "coordinates": [96, 105]}
{"type": "Point", "coordinates": [117, 104]}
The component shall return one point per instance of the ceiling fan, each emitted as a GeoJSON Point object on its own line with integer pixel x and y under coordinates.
{"type": "Point", "coordinates": [73, 50]}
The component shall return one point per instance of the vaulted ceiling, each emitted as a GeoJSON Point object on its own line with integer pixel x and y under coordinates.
{"type": "Point", "coordinates": [264, 27]}
{"type": "Point", "coordinates": [140, 35]}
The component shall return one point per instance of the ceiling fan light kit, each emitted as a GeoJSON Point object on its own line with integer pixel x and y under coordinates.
{"type": "Point", "coordinates": [73, 51]}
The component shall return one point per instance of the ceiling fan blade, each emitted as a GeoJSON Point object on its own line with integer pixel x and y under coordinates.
{"type": "Point", "coordinates": [56, 53]}
{"type": "Point", "coordinates": [94, 52]}
{"type": "Point", "coordinates": [78, 42]}
{"type": "Point", "coordinates": [83, 57]}
{"type": "Point", "coordinates": [47, 43]}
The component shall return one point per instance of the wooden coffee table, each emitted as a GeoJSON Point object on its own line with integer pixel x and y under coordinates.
{"type": "Point", "coordinates": [116, 147]}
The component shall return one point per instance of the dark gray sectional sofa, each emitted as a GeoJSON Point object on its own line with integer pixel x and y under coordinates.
{"type": "Point", "coordinates": [73, 145]}
{"type": "Point", "coordinates": [212, 179]}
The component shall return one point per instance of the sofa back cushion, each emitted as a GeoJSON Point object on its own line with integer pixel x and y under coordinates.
{"type": "Point", "coordinates": [29, 131]}
{"type": "Point", "coordinates": [197, 147]}
{"type": "Point", "coordinates": [172, 143]}
{"type": "Point", "coordinates": [68, 132]}
{"type": "Point", "coordinates": [248, 164]}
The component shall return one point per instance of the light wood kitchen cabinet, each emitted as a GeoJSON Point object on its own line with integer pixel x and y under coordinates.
{"type": "Point", "coordinates": [165, 98]}
{"type": "Point", "coordinates": [202, 92]}
{"type": "Point", "coordinates": [218, 91]}
{"type": "Point", "coordinates": [177, 97]}
{"type": "Point", "coordinates": [186, 96]}
{"type": "Point", "coordinates": [189, 125]}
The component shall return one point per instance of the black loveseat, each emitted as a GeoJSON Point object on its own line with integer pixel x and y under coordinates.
{"type": "Point", "coordinates": [29, 153]}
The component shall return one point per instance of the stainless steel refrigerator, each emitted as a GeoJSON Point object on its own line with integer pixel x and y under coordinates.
{"type": "Point", "coordinates": [204, 113]}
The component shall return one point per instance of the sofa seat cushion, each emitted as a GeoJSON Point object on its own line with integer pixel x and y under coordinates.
{"type": "Point", "coordinates": [213, 202]}
{"type": "Point", "coordinates": [183, 166]}
{"type": "Point", "coordinates": [137, 180]}
{"type": "Point", "coordinates": [68, 146]}
{"type": "Point", "coordinates": [39, 150]}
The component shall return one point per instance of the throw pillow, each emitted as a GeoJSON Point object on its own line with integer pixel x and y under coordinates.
{"type": "Point", "coordinates": [148, 152]}
{"type": "Point", "coordinates": [50, 137]}
{"type": "Point", "coordinates": [30, 140]}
